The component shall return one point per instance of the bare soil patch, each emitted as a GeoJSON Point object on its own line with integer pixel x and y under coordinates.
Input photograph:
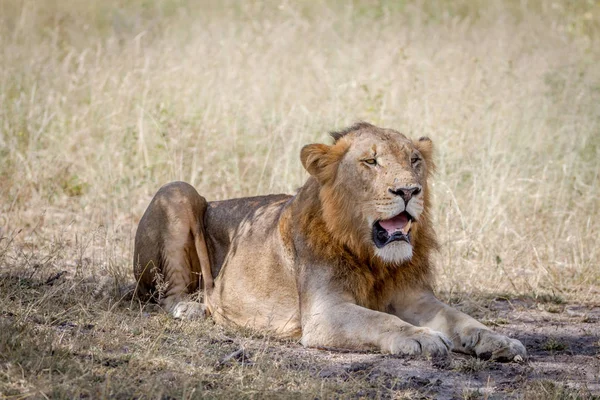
{"type": "Point", "coordinates": [564, 358]}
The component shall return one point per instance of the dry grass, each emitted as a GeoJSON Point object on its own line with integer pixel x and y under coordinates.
{"type": "Point", "coordinates": [103, 102]}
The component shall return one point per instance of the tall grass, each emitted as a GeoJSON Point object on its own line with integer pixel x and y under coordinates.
{"type": "Point", "coordinates": [103, 102]}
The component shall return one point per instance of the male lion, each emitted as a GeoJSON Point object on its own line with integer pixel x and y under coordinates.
{"type": "Point", "coordinates": [343, 263]}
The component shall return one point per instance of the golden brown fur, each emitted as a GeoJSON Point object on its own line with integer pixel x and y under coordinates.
{"type": "Point", "coordinates": [370, 279]}
{"type": "Point", "coordinates": [343, 263]}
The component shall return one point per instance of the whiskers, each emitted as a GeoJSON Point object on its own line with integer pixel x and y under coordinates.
{"type": "Point", "coordinates": [415, 206]}
{"type": "Point", "coordinates": [385, 207]}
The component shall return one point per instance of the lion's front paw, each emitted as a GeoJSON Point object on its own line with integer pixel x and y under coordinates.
{"type": "Point", "coordinates": [490, 345]}
{"type": "Point", "coordinates": [189, 310]}
{"type": "Point", "coordinates": [420, 341]}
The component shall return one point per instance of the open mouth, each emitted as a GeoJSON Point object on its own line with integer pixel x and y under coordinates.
{"type": "Point", "coordinates": [386, 231]}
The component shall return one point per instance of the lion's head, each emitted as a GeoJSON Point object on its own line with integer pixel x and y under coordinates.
{"type": "Point", "coordinates": [373, 190]}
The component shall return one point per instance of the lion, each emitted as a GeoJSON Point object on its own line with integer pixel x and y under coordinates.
{"type": "Point", "coordinates": [345, 263]}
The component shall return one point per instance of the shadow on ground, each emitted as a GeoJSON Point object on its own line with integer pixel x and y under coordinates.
{"type": "Point", "coordinates": [59, 340]}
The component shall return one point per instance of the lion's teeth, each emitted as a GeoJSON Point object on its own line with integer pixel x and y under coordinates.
{"type": "Point", "coordinates": [407, 227]}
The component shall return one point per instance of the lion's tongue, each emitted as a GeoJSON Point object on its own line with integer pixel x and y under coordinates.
{"type": "Point", "coordinates": [394, 224]}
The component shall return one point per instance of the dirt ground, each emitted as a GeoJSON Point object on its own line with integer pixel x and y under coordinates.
{"type": "Point", "coordinates": [57, 340]}
{"type": "Point", "coordinates": [562, 341]}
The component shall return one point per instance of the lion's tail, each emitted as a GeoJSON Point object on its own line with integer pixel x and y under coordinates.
{"type": "Point", "coordinates": [205, 267]}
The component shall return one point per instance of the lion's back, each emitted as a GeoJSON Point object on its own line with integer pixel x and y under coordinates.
{"type": "Point", "coordinates": [224, 219]}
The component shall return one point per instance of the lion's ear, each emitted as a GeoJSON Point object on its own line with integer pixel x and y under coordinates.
{"type": "Point", "coordinates": [312, 157]}
{"type": "Point", "coordinates": [425, 147]}
{"type": "Point", "coordinates": [320, 161]}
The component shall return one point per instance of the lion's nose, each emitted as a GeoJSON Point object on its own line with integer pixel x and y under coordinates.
{"type": "Point", "coordinates": [406, 192]}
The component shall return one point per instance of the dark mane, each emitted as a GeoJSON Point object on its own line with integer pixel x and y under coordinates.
{"type": "Point", "coordinates": [337, 135]}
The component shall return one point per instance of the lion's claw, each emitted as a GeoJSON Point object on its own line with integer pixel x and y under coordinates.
{"type": "Point", "coordinates": [498, 347]}
{"type": "Point", "coordinates": [422, 341]}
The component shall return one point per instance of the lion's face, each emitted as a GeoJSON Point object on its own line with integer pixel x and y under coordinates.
{"type": "Point", "coordinates": [374, 184]}
{"type": "Point", "coordinates": [386, 173]}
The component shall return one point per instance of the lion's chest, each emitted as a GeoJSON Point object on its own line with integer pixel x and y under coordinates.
{"type": "Point", "coordinates": [370, 289]}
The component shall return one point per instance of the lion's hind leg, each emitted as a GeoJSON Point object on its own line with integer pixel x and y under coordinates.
{"type": "Point", "coordinates": [170, 239]}
{"type": "Point", "coordinates": [182, 278]}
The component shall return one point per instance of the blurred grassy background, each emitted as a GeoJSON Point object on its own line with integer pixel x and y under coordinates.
{"type": "Point", "coordinates": [103, 102]}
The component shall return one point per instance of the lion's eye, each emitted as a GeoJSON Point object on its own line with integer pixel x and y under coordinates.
{"type": "Point", "coordinates": [414, 160]}
{"type": "Point", "coordinates": [370, 161]}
